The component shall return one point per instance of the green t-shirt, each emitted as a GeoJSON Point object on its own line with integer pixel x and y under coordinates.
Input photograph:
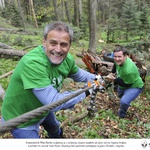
{"type": "Point", "coordinates": [33, 71]}
{"type": "Point", "coordinates": [129, 73]}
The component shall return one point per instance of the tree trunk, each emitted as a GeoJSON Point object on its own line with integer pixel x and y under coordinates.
{"type": "Point", "coordinates": [80, 14]}
{"type": "Point", "coordinates": [55, 9]}
{"type": "Point", "coordinates": [108, 35]}
{"type": "Point", "coordinates": [2, 4]}
{"type": "Point", "coordinates": [67, 11]}
{"type": "Point", "coordinates": [20, 10]}
{"type": "Point", "coordinates": [63, 10]}
{"type": "Point", "coordinates": [33, 12]}
{"type": "Point", "coordinates": [76, 13]}
{"type": "Point", "coordinates": [92, 25]}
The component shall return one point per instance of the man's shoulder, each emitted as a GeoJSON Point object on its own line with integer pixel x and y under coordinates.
{"type": "Point", "coordinates": [37, 50]}
{"type": "Point", "coordinates": [69, 58]}
{"type": "Point", "coordinates": [35, 54]}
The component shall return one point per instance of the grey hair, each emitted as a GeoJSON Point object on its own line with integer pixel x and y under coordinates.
{"type": "Point", "coordinates": [58, 26]}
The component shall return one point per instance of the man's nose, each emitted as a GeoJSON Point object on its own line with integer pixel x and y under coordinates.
{"type": "Point", "coordinates": [58, 48]}
{"type": "Point", "coordinates": [116, 58]}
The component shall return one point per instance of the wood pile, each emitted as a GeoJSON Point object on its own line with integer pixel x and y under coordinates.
{"type": "Point", "coordinates": [95, 64]}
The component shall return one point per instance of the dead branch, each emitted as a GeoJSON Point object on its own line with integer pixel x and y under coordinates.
{"type": "Point", "coordinates": [75, 119]}
{"type": "Point", "coordinates": [2, 92]}
{"type": "Point", "coordinates": [28, 47]}
{"type": "Point", "coordinates": [6, 74]}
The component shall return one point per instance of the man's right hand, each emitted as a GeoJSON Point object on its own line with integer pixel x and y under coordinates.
{"type": "Point", "coordinates": [110, 77]}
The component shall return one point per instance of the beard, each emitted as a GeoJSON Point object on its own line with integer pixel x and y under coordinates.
{"type": "Point", "coordinates": [56, 58]}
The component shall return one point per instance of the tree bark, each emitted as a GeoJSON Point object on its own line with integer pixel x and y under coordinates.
{"type": "Point", "coordinates": [2, 4]}
{"type": "Point", "coordinates": [92, 25]}
{"type": "Point", "coordinates": [76, 13]}
{"type": "Point", "coordinates": [33, 12]}
{"type": "Point", "coordinates": [5, 46]}
{"type": "Point", "coordinates": [67, 11]}
{"type": "Point", "coordinates": [55, 9]}
{"type": "Point", "coordinates": [10, 53]}
{"type": "Point", "coordinates": [63, 10]}
{"type": "Point", "coordinates": [21, 13]}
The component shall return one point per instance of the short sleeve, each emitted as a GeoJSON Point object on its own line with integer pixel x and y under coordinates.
{"type": "Point", "coordinates": [34, 75]}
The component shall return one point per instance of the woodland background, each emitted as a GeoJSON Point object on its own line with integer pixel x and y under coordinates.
{"type": "Point", "coordinates": [97, 24]}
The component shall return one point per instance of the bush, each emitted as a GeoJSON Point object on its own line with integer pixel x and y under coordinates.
{"type": "Point", "coordinates": [10, 13]}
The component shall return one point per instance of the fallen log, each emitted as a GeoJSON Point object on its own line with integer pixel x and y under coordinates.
{"type": "Point", "coordinates": [11, 53]}
{"type": "Point", "coordinates": [5, 46]}
{"type": "Point", "coordinates": [16, 30]}
{"type": "Point", "coordinates": [9, 30]}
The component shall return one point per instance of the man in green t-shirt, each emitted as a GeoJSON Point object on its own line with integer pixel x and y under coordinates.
{"type": "Point", "coordinates": [127, 77]}
{"type": "Point", "coordinates": [37, 80]}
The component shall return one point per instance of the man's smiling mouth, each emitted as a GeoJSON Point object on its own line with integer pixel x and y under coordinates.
{"type": "Point", "coordinates": [57, 54]}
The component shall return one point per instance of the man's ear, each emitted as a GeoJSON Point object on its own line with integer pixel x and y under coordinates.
{"type": "Point", "coordinates": [44, 41]}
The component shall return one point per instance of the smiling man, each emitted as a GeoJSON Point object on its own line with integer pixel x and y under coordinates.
{"type": "Point", "coordinates": [57, 45]}
{"type": "Point", "coordinates": [37, 80]}
{"type": "Point", "coordinates": [127, 77]}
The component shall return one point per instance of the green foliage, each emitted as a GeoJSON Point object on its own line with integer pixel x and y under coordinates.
{"type": "Point", "coordinates": [130, 16]}
{"type": "Point", "coordinates": [19, 41]}
{"type": "Point", "coordinates": [12, 14]}
{"type": "Point", "coordinates": [77, 33]}
{"type": "Point", "coordinates": [130, 22]}
{"type": "Point", "coordinates": [6, 65]}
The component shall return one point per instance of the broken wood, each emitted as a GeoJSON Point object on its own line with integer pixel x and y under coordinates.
{"type": "Point", "coordinates": [95, 64]}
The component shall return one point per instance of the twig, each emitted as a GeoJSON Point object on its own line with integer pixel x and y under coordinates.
{"type": "Point", "coordinates": [73, 120]}
{"type": "Point", "coordinates": [6, 74]}
{"type": "Point", "coordinates": [29, 47]}
{"type": "Point", "coordinates": [138, 119]}
{"type": "Point", "coordinates": [2, 92]}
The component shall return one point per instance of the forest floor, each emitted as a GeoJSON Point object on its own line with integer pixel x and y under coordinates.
{"type": "Point", "coordinates": [105, 123]}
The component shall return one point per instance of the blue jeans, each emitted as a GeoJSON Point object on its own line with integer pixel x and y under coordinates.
{"type": "Point", "coordinates": [126, 97]}
{"type": "Point", "coordinates": [50, 124]}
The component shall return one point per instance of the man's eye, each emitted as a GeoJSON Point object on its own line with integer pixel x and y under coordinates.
{"type": "Point", "coordinates": [53, 43]}
{"type": "Point", "coordinates": [64, 44]}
